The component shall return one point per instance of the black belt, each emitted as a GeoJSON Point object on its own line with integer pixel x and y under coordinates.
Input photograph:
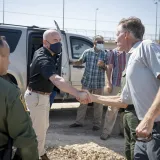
{"type": "Point", "coordinates": [39, 92]}
{"type": "Point", "coordinates": [130, 107]}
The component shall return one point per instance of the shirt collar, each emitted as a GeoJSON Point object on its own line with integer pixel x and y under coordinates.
{"type": "Point", "coordinates": [134, 47]}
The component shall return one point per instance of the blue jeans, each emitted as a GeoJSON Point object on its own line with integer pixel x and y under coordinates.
{"type": "Point", "coordinates": [52, 96]}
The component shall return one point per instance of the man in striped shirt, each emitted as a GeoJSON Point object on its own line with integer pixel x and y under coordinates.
{"type": "Point", "coordinates": [116, 65]}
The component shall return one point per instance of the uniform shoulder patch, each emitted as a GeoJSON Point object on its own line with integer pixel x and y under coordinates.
{"type": "Point", "coordinates": [23, 102]}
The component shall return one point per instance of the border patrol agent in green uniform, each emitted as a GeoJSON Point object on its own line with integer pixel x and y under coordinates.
{"type": "Point", "coordinates": [15, 122]}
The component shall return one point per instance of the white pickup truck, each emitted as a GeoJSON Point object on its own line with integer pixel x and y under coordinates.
{"type": "Point", "coordinates": [23, 42]}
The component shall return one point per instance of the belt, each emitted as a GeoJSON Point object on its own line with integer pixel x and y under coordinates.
{"type": "Point", "coordinates": [39, 92]}
{"type": "Point", "coordinates": [130, 107]}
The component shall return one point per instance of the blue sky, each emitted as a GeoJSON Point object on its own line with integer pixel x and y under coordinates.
{"type": "Point", "coordinates": [80, 14]}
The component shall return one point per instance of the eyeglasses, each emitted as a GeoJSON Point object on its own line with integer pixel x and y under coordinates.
{"type": "Point", "coordinates": [145, 140]}
{"type": "Point", "coordinates": [100, 42]}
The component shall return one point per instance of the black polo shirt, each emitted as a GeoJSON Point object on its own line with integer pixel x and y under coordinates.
{"type": "Point", "coordinates": [42, 68]}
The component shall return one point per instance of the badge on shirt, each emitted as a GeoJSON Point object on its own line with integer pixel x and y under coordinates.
{"type": "Point", "coordinates": [24, 104]}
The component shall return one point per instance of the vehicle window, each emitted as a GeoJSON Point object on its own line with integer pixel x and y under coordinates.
{"type": "Point", "coordinates": [12, 37]}
{"type": "Point", "coordinates": [36, 42]}
{"type": "Point", "coordinates": [78, 46]}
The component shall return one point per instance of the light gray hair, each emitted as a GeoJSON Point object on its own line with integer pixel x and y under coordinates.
{"type": "Point", "coordinates": [134, 26]}
{"type": "Point", "coordinates": [48, 32]}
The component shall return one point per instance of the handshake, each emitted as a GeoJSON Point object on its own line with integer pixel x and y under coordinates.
{"type": "Point", "coordinates": [84, 97]}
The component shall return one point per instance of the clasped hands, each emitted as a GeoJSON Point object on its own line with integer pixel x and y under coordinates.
{"type": "Point", "coordinates": [84, 97]}
{"type": "Point", "coordinates": [143, 130]}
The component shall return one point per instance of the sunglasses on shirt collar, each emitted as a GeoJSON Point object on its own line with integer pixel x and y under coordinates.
{"type": "Point", "coordinates": [145, 140]}
{"type": "Point", "coordinates": [100, 42]}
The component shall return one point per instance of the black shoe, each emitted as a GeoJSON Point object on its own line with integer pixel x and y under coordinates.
{"type": "Point", "coordinates": [44, 157]}
{"type": "Point", "coordinates": [90, 104]}
{"type": "Point", "coordinates": [121, 134]}
{"type": "Point", "coordinates": [75, 125]}
{"type": "Point", "coordinates": [17, 157]}
{"type": "Point", "coordinates": [95, 128]}
{"type": "Point", "coordinates": [104, 136]}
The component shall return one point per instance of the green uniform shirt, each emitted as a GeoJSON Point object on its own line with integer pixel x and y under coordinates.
{"type": "Point", "coordinates": [15, 121]}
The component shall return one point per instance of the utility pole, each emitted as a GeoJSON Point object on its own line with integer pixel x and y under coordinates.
{"type": "Point", "coordinates": [63, 13]}
{"type": "Point", "coordinates": [96, 21]}
{"type": "Point", "coordinates": [156, 3]}
{"type": "Point", "coordinates": [159, 35]}
{"type": "Point", "coordinates": [3, 11]}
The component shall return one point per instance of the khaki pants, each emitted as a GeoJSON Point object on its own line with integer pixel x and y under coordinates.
{"type": "Point", "coordinates": [38, 105]}
{"type": "Point", "coordinates": [98, 109]}
{"type": "Point", "coordinates": [111, 114]}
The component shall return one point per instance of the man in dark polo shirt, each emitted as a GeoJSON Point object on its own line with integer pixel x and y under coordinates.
{"type": "Point", "coordinates": [43, 77]}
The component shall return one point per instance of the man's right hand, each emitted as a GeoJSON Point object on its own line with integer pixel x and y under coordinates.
{"type": "Point", "coordinates": [101, 64]}
{"type": "Point", "coordinates": [108, 88]}
{"type": "Point", "coordinates": [84, 97]}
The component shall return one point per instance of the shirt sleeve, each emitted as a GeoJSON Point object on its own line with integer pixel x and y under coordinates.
{"type": "Point", "coordinates": [111, 58]}
{"type": "Point", "coordinates": [48, 68]}
{"type": "Point", "coordinates": [83, 57]}
{"type": "Point", "coordinates": [151, 58]}
{"type": "Point", "coordinates": [123, 61]}
{"type": "Point", "coordinates": [20, 126]}
{"type": "Point", "coordinates": [106, 57]}
{"type": "Point", "coordinates": [125, 95]}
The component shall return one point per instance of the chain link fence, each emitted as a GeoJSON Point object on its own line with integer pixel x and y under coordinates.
{"type": "Point", "coordinates": [108, 35]}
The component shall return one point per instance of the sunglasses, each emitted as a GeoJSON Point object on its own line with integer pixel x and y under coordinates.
{"type": "Point", "coordinates": [100, 42]}
{"type": "Point", "coordinates": [145, 140]}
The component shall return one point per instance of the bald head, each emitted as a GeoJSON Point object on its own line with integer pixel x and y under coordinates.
{"type": "Point", "coordinates": [50, 37]}
{"type": "Point", "coordinates": [49, 33]}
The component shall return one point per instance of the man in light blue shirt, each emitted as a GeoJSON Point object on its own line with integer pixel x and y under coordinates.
{"type": "Point", "coordinates": [142, 87]}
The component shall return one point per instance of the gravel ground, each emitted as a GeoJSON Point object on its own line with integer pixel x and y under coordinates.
{"type": "Point", "coordinates": [89, 151]}
{"type": "Point", "coordinates": [66, 143]}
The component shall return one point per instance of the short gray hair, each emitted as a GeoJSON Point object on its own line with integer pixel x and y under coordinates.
{"type": "Point", "coordinates": [133, 25]}
{"type": "Point", "coordinates": [48, 32]}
